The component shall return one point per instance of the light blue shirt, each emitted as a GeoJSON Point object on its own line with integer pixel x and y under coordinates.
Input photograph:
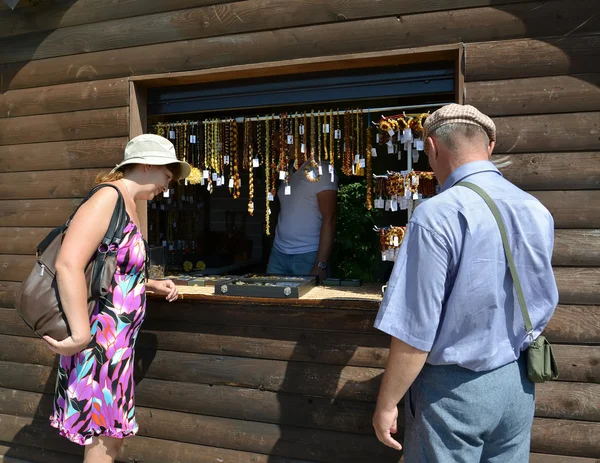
{"type": "Point", "coordinates": [451, 293]}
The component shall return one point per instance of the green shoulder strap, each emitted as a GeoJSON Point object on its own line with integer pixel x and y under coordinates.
{"type": "Point", "coordinates": [509, 257]}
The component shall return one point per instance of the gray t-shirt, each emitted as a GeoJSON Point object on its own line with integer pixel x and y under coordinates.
{"type": "Point", "coordinates": [299, 224]}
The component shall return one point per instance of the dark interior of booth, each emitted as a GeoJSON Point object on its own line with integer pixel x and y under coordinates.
{"type": "Point", "coordinates": [201, 228]}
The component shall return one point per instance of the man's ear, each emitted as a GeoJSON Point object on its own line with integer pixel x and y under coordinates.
{"type": "Point", "coordinates": [491, 147]}
{"type": "Point", "coordinates": [430, 148]}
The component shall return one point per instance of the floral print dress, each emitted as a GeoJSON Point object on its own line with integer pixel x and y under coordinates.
{"type": "Point", "coordinates": [94, 388]}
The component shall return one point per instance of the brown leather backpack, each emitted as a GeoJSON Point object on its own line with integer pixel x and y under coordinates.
{"type": "Point", "coordinates": [38, 301]}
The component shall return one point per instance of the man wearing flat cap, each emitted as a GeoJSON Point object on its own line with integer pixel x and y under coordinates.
{"type": "Point", "coordinates": [458, 333]}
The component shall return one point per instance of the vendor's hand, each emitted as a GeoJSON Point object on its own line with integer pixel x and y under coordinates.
{"type": "Point", "coordinates": [68, 346]}
{"type": "Point", "coordinates": [385, 423]}
{"type": "Point", "coordinates": [322, 274]}
{"type": "Point", "coordinates": [166, 288]}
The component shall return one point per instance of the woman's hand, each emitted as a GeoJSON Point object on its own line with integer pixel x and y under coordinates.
{"type": "Point", "coordinates": [165, 288]}
{"type": "Point", "coordinates": [69, 346]}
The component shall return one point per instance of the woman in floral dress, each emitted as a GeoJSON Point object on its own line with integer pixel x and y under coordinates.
{"type": "Point", "coordinates": [94, 401]}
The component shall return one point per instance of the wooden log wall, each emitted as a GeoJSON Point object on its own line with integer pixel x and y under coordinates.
{"type": "Point", "coordinates": [64, 105]}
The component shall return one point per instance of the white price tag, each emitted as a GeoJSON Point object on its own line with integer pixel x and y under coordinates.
{"type": "Point", "coordinates": [388, 204]}
{"type": "Point", "coordinates": [192, 138]}
{"type": "Point", "coordinates": [270, 197]}
{"type": "Point", "coordinates": [290, 139]}
{"type": "Point", "coordinates": [331, 169]}
{"type": "Point", "coordinates": [174, 224]}
{"type": "Point", "coordinates": [167, 193]}
{"type": "Point", "coordinates": [391, 133]}
{"type": "Point", "coordinates": [408, 134]}
{"type": "Point", "coordinates": [320, 169]}
{"type": "Point", "coordinates": [337, 134]}
{"type": "Point", "coordinates": [302, 148]}
{"type": "Point", "coordinates": [214, 177]}
{"type": "Point", "coordinates": [255, 162]}
{"type": "Point", "coordinates": [363, 163]}
{"type": "Point", "coordinates": [222, 180]}
{"type": "Point", "coordinates": [332, 177]}
{"type": "Point", "coordinates": [205, 174]}
{"type": "Point", "coordinates": [162, 207]}
{"type": "Point", "coordinates": [415, 180]}
{"type": "Point", "coordinates": [164, 243]}
{"type": "Point", "coordinates": [356, 158]}
{"type": "Point", "coordinates": [282, 175]}
{"type": "Point", "coordinates": [219, 183]}
{"type": "Point", "coordinates": [301, 129]}
{"type": "Point", "coordinates": [376, 138]}
{"type": "Point", "coordinates": [390, 148]}
{"type": "Point", "coordinates": [226, 160]}
{"type": "Point", "coordinates": [171, 247]}
{"type": "Point", "coordinates": [394, 205]}
{"type": "Point", "coordinates": [396, 244]}
{"type": "Point", "coordinates": [325, 128]}
{"type": "Point", "coordinates": [403, 204]}
{"type": "Point", "coordinates": [231, 184]}
{"type": "Point", "coordinates": [373, 152]}
{"type": "Point", "coordinates": [172, 134]}
{"type": "Point", "coordinates": [288, 190]}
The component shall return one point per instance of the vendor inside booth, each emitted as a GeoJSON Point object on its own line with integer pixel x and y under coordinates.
{"type": "Point", "coordinates": [296, 181]}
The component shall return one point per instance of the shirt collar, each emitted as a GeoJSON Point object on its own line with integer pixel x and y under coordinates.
{"type": "Point", "coordinates": [466, 170]}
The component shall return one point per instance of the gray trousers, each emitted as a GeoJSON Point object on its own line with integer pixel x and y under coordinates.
{"type": "Point", "coordinates": [457, 415]}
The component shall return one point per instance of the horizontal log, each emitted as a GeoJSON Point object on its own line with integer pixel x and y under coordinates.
{"type": "Point", "coordinates": [8, 293]}
{"type": "Point", "coordinates": [39, 434]}
{"type": "Point", "coordinates": [570, 401]}
{"type": "Point", "coordinates": [275, 315]}
{"type": "Point", "coordinates": [269, 343]}
{"type": "Point", "coordinates": [15, 267]}
{"type": "Point", "coordinates": [74, 183]}
{"type": "Point", "coordinates": [551, 171]}
{"type": "Point", "coordinates": [65, 98]}
{"type": "Point", "coordinates": [575, 324]}
{"type": "Point", "coordinates": [548, 132]}
{"type": "Point", "coordinates": [512, 59]}
{"type": "Point", "coordinates": [259, 15]}
{"type": "Point", "coordinates": [36, 213]}
{"type": "Point", "coordinates": [14, 240]}
{"type": "Point", "coordinates": [572, 209]}
{"type": "Point", "coordinates": [545, 458]}
{"type": "Point", "coordinates": [576, 248]}
{"type": "Point", "coordinates": [578, 363]}
{"type": "Point", "coordinates": [535, 95]}
{"type": "Point", "coordinates": [10, 453]}
{"type": "Point", "coordinates": [466, 25]}
{"type": "Point", "coordinates": [50, 16]}
{"type": "Point", "coordinates": [77, 154]}
{"type": "Point", "coordinates": [562, 437]}
{"type": "Point", "coordinates": [77, 125]}
{"type": "Point", "coordinates": [578, 285]}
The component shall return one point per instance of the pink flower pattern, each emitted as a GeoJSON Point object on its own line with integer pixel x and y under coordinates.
{"type": "Point", "coordinates": [94, 388]}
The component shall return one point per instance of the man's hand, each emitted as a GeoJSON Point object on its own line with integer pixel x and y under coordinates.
{"type": "Point", "coordinates": [385, 423]}
{"type": "Point", "coordinates": [317, 271]}
{"type": "Point", "coordinates": [165, 288]}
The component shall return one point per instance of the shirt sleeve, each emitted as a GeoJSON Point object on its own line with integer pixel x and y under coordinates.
{"type": "Point", "coordinates": [325, 182]}
{"type": "Point", "coordinates": [412, 306]}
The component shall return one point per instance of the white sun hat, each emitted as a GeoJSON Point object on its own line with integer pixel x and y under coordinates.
{"type": "Point", "coordinates": [153, 150]}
